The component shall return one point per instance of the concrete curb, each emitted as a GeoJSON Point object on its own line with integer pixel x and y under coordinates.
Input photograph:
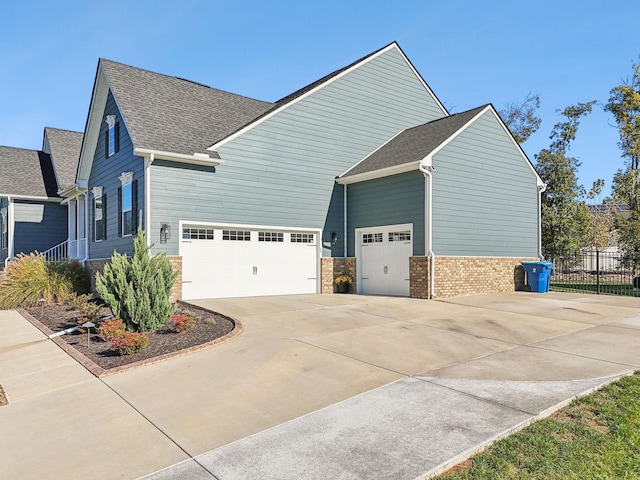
{"type": "Point", "coordinates": [467, 454]}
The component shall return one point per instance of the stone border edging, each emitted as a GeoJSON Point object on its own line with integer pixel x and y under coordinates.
{"type": "Point", "coordinates": [100, 372]}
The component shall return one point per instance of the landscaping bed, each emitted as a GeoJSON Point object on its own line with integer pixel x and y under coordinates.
{"type": "Point", "coordinates": [164, 342]}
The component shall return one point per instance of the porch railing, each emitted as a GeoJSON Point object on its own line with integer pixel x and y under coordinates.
{"type": "Point", "coordinates": [58, 253]}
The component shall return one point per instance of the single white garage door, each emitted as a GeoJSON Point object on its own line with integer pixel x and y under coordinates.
{"type": "Point", "coordinates": [384, 259]}
{"type": "Point", "coordinates": [220, 262]}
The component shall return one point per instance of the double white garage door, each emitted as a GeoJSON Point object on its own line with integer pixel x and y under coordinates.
{"type": "Point", "coordinates": [220, 262]}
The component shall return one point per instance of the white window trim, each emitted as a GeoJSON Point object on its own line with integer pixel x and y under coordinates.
{"type": "Point", "coordinates": [111, 122]}
{"type": "Point", "coordinates": [4, 229]}
{"type": "Point", "coordinates": [97, 195]}
{"type": "Point", "coordinates": [126, 179]}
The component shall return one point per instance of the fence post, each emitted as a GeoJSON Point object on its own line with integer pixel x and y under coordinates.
{"type": "Point", "coordinates": [598, 271]}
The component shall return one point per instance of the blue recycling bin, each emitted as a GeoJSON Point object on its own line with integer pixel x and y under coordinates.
{"type": "Point", "coordinates": [538, 275]}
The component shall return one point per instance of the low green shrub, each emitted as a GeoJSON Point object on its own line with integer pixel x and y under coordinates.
{"type": "Point", "coordinates": [75, 272]}
{"type": "Point", "coordinates": [28, 279]}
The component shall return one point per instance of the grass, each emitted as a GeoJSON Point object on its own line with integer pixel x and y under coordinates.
{"type": "Point", "coordinates": [608, 288]}
{"type": "Point", "coordinates": [595, 437]}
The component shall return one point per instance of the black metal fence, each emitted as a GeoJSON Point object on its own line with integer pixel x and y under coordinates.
{"type": "Point", "coordinates": [606, 273]}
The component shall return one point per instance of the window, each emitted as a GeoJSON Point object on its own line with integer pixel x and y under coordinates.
{"type": "Point", "coordinates": [400, 236]}
{"type": "Point", "coordinates": [127, 204]}
{"type": "Point", "coordinates": [99, 214]}
{"type": "Point", "coordinates": [302, 238]}
{"type": "Point", "coordinates": [3, 228]}
{"type": "Point", "coordinates": [270, 237]}
{"type": "Point", "coordinates": [112, 136]}
{"type": "Point", "coordinates": [371, 237]}
{"type": "Point", "coordinates": [192, 233]}
{"type": "Point", "coordinates": [239, 235]}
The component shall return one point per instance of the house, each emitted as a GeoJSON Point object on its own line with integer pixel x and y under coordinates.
{"type": "Point", "coordinates": [31, 215]}
{"type": "Point", "coordinates": [362, 172]}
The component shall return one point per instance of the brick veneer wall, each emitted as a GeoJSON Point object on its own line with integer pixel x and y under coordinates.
{"type": "Point", "coordinates": [419, 270]}
{"type": "Point", "coordinates": [330, 268]}
{"type": "Point", "coordinates": [94, 266]}
{"type": "Point", "coordinates": [455, 276]}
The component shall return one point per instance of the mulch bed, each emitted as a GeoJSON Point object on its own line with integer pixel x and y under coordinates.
{"type": "Point", "coordinates": [210, 328]}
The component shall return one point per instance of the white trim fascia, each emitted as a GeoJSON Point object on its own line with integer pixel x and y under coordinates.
{"type": "Point", "coordinates": [424, 84]}
{"type": "Point", "coordinates": [383, 172]}
{"type": "Point", "coordinates": [247, 226]}
{"type": "Point", "coordinates": [71, 191]}
{"type": "Point", "coordinates": [486, 256]}
{"type": "Point", "coordinates": [251, 125]}
{"type": "Point", "coordinates": [195, 159]}
{"type": "Point", "coordinates": [539, 181]}
{"type": "Point", "coordinates": [32, 197]}
{"type": "Point", "coordinates": [371, 153]}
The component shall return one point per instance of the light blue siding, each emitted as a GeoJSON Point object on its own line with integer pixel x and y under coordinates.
{"type": "Point", "coordinates": [105, 173]}
{"type": "Point", "coordinates": [485, 200]}
{"type": "Point", "coordinates": [39, 226]}
{"type": "Point", "coordinates": [392, 200]}
{"type": "Point", "coordinates": [282, 171]}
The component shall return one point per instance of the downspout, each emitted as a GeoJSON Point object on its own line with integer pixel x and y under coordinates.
{"type": "Point", "coordinates": [10, 230]}
{"type": "Point", "coordinates": [147, 197]}
{"type": "Point", "coordinates": [426, 168]}
{"type": "Point", "coordinates": [541, 188]}
{"type": "Point", "coordinates": [344, 227]}
{"type": "Point", "coordinates": [86, 227]}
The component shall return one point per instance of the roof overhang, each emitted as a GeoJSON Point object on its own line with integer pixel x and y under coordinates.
{"type": "Point", "coordinates": [36, 198]}
{"type": "Point", "coordinates": [73, 190]}
{"type": "Point", "coordinates": [201, 159]}
{"type": "Point", "coordinates": [383, 172]}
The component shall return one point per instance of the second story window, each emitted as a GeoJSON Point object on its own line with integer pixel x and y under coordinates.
{"type": "Point", "coordinates": [112, 136]}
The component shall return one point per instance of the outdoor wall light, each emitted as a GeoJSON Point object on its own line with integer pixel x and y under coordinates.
{"type": "Point", "coordinates": [334, 238]}
{"type": "Point", "coordinates": [165, 232]}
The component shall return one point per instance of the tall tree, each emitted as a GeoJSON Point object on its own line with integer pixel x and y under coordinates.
{"type": "Point", "coordinates": [521, 118]}
{"type": "Point", "coordinates": [565, 216]}
{"type": "Point", "coordinates": [624, 104]}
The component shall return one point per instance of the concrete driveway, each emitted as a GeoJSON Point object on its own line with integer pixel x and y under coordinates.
{"type": "Point", "coordinates": [316, 386]}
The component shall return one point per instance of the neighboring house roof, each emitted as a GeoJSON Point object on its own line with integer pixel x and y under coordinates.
{"type": "Point", "coordinates": [413, 144]}
{"type": "Point", "coordinates": [26, 173]}
{"type": "Point", "coordinates": [64, 147]}
{"type": "Point", "coordinates": [621, 208]}
{"type": "Point", "coordinates": [172, 114]}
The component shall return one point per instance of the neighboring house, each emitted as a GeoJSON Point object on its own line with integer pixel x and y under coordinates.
{"type": "Point", "coordinates": [31, 215]}
{"type": "Point", "coordinates": [362, 172]}
{"type": "Point", "coordinates": [609, 258]}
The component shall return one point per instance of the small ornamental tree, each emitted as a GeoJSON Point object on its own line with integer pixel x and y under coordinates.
{"type": "Point", "coordinates": [138, 289]}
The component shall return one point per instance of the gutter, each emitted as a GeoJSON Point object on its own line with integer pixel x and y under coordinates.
{"type": "Point", "coordinates": [541, 188]}
{"type": "Point", "coordinates": [427, 168]}
{"type": "Point", "coordinates": [196, 159]}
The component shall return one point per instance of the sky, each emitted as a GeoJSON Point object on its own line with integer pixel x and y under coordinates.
{"type": "Point", "coordinates": [469, 52]}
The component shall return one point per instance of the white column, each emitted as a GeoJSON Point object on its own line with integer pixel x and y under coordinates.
{"type": "Point", "coordinates": [71, 231]}
{"type": "Point", "coordinates": [81, 226]}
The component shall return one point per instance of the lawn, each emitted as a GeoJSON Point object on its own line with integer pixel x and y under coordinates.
{"type": "Point", "coordinates": [597, 436]}
{"type": "Point", "coordinates": [606, 288]}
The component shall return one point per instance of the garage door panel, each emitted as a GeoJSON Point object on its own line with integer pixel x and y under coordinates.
{"type": "Point", "coordinates": [270, 263]}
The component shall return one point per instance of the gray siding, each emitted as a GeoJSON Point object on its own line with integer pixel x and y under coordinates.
{"type": "Point", "coordinates": [39, 226]}
{"type": "Point", "coordinates": [390, 200]}
{"type": "Point", "coordinates": [485, 200]}
{"type": "Point", "coordinates": [105, 173]}
{"type": "Point", "coordinates": [282, 171]}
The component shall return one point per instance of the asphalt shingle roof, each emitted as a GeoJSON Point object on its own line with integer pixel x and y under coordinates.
{"type": "Point", "coordinates": [65, 146]}
{"type": "Point", "coordinates": [26, 172]}
{"type": "Point", "coordinates": [413, 144]}
{"type": "Point", "coordinates": [176, 115]}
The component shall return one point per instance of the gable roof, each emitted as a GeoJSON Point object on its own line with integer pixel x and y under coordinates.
{"type": "Point", "coordinates": [64, 147]}
{"type": "Point", "coordinates": [26, 173]}
{"type": "Point", "coordinates": [175, 115]}
{"type": "Point", "coordinates": [413, 144]}
{"type": "Point", "coordinates": [301, 93]}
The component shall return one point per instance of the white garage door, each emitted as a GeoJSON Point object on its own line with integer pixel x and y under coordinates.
{"type": "Point", "coordinates": [384, 259]}
{"type": "Point", "coordinates": [220, 262]}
